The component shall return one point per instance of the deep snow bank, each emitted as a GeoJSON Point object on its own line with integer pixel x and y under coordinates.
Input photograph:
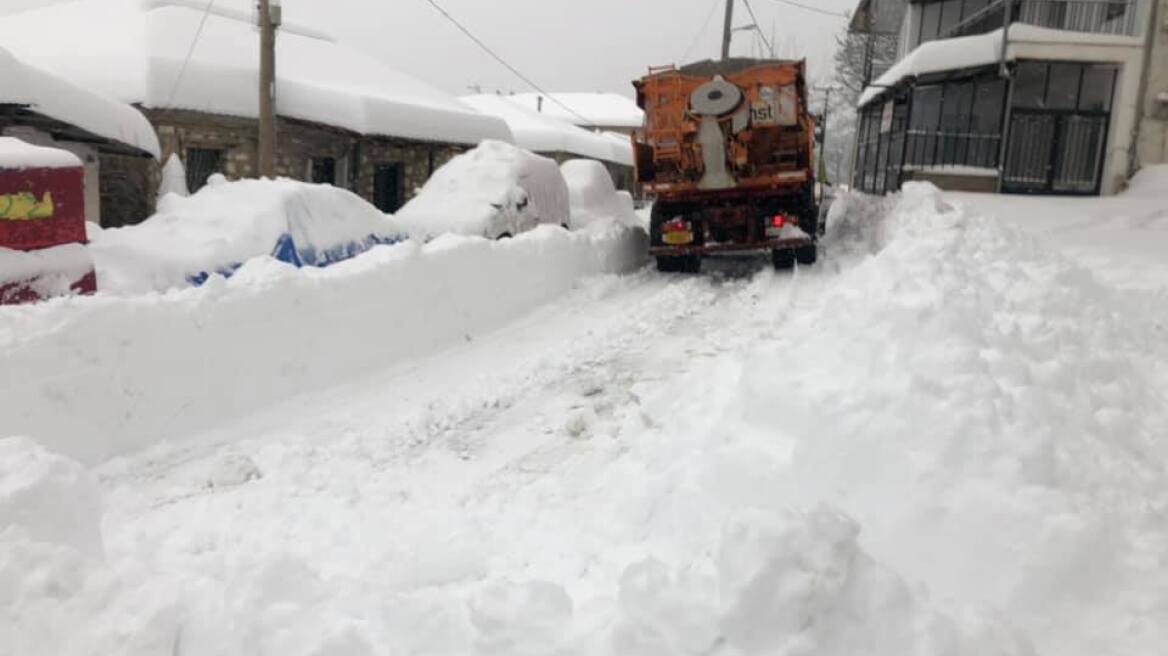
{"type": "Point", "coordinates": [991, 414]}
{"type": "Point", "coordinates": [225, 224]}
{"type": "Point", "coordinates": [95, 377]}
{"type": "Point", "coordinates": [53, 574]}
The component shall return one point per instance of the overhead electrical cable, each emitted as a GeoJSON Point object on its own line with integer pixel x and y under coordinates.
{"type": "Point", "coordinates": [705, 26]}
{"type": "Point", "coordinates": [497, 57]}
{"type": "Point", "coordinates": [182, 71]}
{"type": "Point", "coordinates": [818, 10]}
{"type": "Point", "coordinates": [758, 28]}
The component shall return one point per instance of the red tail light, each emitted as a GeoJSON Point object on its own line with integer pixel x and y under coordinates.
{"type": "Point", "coordinates": [778, 220]}
{"type": "Point", "coordinates": [676, 225]}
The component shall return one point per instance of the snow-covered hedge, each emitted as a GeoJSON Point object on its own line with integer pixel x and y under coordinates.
{"type": "Point", "coordinates": [104, 375]}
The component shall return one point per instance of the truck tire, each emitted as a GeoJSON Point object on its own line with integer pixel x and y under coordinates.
{"type": "Point", "coordinates": [679, 263]}
{"type": "Point", "coordinates": [807, 255]}
{"type": "Point", "coordinates": [667, 264]}
{"type": "Point", "coordinates": [783, 258]}
{"type": "Point", "coordinates": [691, 263]}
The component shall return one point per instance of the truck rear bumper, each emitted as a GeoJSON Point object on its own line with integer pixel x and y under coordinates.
{"type": "Point", "coordinates": [709, 249]}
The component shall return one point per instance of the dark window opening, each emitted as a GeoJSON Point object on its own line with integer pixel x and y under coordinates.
{"type": "Point", "coordinates": [1030, 85]}
{"type": "Point", "coordinates": [930, 22]}
{"type": "Point", "coordinates": [324, 170]}
{"type": "Point", "coordinates": [388, 184]}
{"type": "Point", "coordinates": [202, 163]}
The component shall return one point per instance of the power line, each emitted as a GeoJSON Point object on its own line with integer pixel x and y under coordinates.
{"type": "Point", "coordinates": [190, 52]}
{"type": "Point", "coordinates": [499, 58]}
{"type": "Point", "coordinates": [705, 26]}
{"type": "Point", "coordinates": [758, 28]}
{"type": "Point", "coordinates": [818, 10]}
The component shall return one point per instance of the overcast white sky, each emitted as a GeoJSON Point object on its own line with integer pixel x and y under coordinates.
{"type": "Point", "coordinates": [584, 45]}
{"type": "Point", "coordinates": [563, 45]}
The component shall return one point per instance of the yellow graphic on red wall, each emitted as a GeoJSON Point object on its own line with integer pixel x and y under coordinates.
{"type": "Point", "coordinates": [24, 206]}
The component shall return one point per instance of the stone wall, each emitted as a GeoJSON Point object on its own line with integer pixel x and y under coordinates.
{"type": "Point", "coordinates": [129, 186]}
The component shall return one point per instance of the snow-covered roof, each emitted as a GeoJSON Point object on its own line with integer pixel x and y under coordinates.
{"type": "Point", "coordinates": [978, 50]}
{"type": "Point", "coordinates": [16, 154]}
{"type": "Point", "coordinates": [134, 50]}
{"type": "Point", "coordinates": [608, 110]}
{"type": "Point", "coordinates": [49, 95]}
{"type": "Point", "coordinates": [542, 133]}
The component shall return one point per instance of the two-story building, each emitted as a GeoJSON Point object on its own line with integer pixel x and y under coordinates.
{"type": "Point", "coordinates": [1019, 96]}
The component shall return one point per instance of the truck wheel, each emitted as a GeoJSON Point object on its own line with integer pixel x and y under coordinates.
{"type": "Point", "coordinates": [783, 258]}
{"type": "Point", "coordinates": [691, 264]}
{"type": "Point", "coordinates": [807, 254]}
{"type": "Point", "coordinates": [667, 264]}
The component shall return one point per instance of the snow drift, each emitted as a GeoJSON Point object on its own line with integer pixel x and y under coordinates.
{"type": "Point", "coordinates": [594, 198]}
{"type": "Point", "coordinates": [228, 223]}
{"type": "Point", "coordinates": [990, 412]}
{"type": "Point", "coordinates": [188, 358]}
{"type": "Point", "coordinates": [493, 190]}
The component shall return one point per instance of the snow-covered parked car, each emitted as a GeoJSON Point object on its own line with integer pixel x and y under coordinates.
{"type": "Point", "coordinates": [226, 224]}
{"type": "Point", "coordinates": [594, 199]}
{"type": "Point", "coordinates": [495, 190]}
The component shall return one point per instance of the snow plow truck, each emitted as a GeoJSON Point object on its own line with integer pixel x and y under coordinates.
{"type": "Point", "coordinates": [727, 152]}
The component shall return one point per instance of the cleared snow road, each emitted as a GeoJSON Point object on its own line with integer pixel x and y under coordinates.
{"type": "Point", "coordinates": [944, 439]}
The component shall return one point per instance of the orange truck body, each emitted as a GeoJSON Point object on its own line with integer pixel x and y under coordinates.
{"type": "Point", "coordinates": [727, 147]}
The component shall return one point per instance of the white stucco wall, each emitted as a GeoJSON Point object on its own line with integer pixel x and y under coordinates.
{"type": "Point", "coordinates": [1152, 146]}
{"type": "Point", "coordinates": [1124, 108]}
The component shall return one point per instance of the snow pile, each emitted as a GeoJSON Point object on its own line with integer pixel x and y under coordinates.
{"type": "Point", "coordinates": [46, 272]}
{"type": "Point", "coordinates": [594, 198]}
{"type": "Point", "coordinates": [45, 93]}
{"type": "Point", "coordinates": [174, 179]}
{"type": "Point", "coordinates": [1149, 181]}
{"type": "Point", "coordinates": [226, 224]}
{"type": "Point", "coordinates": [493, 190]}
{"type": "Point", "coordinates": [990, 413]}
{"type": "Point", "coordinates": [17, 154]}
{"type": "Point", "coordinates": [791, 582]}
{"type": "Point", "coordinates": [53, 574]}
{"type": "Point", "coordinates": [190, 358]}
{"type": "Point", "coordinates": [542, 133]}
{"type": "Point", "coordinates": [142, 59]}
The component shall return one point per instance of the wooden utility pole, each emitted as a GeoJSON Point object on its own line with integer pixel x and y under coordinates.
{"type": "Point", "coordinates": [267, 137]}
{"type": "Point", "coordinates": [728, 30]}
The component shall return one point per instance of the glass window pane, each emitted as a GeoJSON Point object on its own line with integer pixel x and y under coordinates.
{"type": "Point", "coordinates": [926, 109]}
{"type": "Point", "coordinates": [950, 15]}
{"type": "Point", "coordinates": [930, 21]}
{"type": "Point", "coordinates": [1063, 89]}
{"type": "Point", "coordinates": [1030, 85]}
{"type": "Point", "coordinates": [1098, 88]}
{"type": "Point", "coordinates": [957, 107]}
{"type": "Point", "coordinates": [988, 103]}
{"type": "Point", "coordinates": [972, 7]}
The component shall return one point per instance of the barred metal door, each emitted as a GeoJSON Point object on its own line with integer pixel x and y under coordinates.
{"type": "Point", "coordinates": [1029, 153]}
{"type": "Point", "coordinates": [1079, 154]}
{"type": "Point", "coordinates": [1055, 152]}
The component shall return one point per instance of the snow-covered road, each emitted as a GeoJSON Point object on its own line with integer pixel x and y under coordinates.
{"type": "Point", "coordinates": [944, 439]}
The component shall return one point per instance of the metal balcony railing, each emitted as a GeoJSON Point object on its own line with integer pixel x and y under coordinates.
{"type": "Point", "coordinates": [1118, 17]}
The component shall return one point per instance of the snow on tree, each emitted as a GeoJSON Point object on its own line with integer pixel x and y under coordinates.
{"type": "Point", "coordinates": [864, 50]}
{"type": "Point", "coordinates": [174, 178]}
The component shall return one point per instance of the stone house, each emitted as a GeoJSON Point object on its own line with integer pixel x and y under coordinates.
{"type": "Point", "coordinates": [40, 108]}
{"type": "Point", "coordinates": [343, 118]}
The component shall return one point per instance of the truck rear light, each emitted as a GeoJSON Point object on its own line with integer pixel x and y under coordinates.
{"type": "Point", "coordinates": [676, 225]}
{"type": "Point", "coordinates": [778, 221]}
